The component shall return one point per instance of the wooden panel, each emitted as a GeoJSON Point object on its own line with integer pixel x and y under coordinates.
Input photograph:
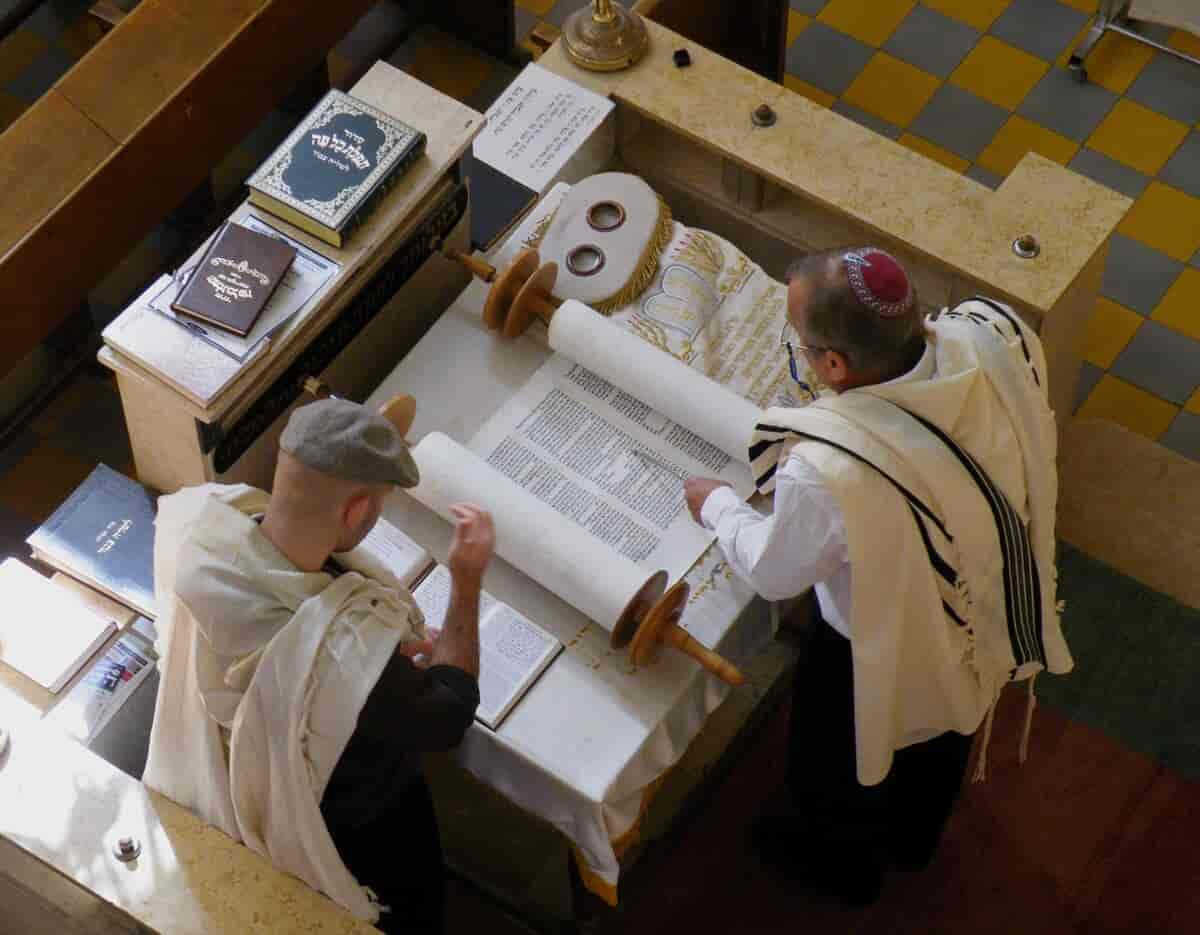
{"type": "Point", "coordinates": [169, 155]}
{"type": "Point", "coordinates": [488, 24]}
{"type": "Point", "coordinates": [46, 153]}
{"type": "Point", "coordinates": [753, 34]}
{"type": "Point", "coordinates": [123, 80]}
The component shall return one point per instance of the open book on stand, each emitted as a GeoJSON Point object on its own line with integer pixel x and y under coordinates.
{"type": "Point", "coordinates": [513, 650]}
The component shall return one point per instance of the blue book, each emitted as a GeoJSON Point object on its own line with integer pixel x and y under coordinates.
{"type": "Point", "coordinates": [331, 171]}
{"type": "Point", "coordinates": [103, 535]}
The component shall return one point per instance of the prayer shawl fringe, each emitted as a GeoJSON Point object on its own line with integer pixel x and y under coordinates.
{"type": "Point", "coordinates": [954, 585]}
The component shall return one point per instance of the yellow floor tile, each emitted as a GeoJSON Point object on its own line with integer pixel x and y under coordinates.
{"type": "Point", "coordinates": [1185, 42]}
{"type": "Point", "coordinates": [1180, 307]}
{"type": "Point", "coordinates": [1193, 404]}
{"type": "Point", "coordinates": [449, 66]}
{"type": "Point", "coordinates": [18, 52]}
{"type": "Point", "coordinates": [813, 93]}
{"type": "Point", "coordinates": [1116, 61]}
{"type": "Point", "coordinates": [796, 24]}
{"type": "Point", "coordinates": [1129, 406]}
{"type": "Point", "coordinates": [891, 89]}
{"type": "Point", "coordinates": [1167, 220]}
{"type": "Point", "coordinates": [1111, 327]}
{"type": "Point", "coordinates": [999, 72]}
{"type": "Point", "coordinates": [978, 13]}
{"type": "Point", "coordinates": [871, 23]}
{"type": "Point", "coordinates": [934, 152]}
{"type": "Point", "coordinates": [1138, 136]}
{"type": "Point", "coordinates": [537, 7]}
{"type": "Point", "coordinates": [1018, 137]}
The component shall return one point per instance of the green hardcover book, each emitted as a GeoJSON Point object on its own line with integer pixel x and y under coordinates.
{"type": "Point", "coordinates": [331, 171]}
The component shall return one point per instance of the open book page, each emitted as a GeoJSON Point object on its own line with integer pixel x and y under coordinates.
{"type": "Point", "coordinates": [513, 651]}
{"type": "Point", "coordinates": [385, 554]}
{"type": "Point", "coordinates": [606, 461]}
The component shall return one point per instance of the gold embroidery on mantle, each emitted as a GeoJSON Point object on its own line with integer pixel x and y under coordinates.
{"type": "Point", "coordinates": [738, 275]}
{"type": "Point", "coordinates": [647, 267]}
{"type": "Point", "coordinates": [701, 251]}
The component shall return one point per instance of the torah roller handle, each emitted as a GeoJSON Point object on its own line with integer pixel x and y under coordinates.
{"type": "Point", "coordinates": [519, 294]}
{"type": "Point", "coordinates": [650, 618]}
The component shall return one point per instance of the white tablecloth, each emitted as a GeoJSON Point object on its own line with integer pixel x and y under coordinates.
{"type": "Point", "coordinates": [593, 733]}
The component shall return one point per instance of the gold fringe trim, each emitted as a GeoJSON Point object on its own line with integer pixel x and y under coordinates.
{"type": "Point", "coordinates": [647, 267]}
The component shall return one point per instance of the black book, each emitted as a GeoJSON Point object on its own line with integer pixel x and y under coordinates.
{"type": "Point", "coordinates": [331, 171]}
{"type": "Point", "coordinates": [498, 202]}
{"type": "Point", "coordinates": [103, 535]}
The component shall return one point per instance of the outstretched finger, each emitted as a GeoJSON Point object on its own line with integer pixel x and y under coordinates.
{"type": "Point", "coordinates": [465, 511]}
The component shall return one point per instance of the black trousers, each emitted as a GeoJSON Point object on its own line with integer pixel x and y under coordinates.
{"type": "Point", "coordinates": [399, 856]}
{"type": "Point", "coordinates": [856, 830]}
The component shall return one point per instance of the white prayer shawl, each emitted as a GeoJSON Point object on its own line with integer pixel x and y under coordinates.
{"type": "Point", "coordinates": [274, 662]}
{"type": "Point", "coordinates": [954, 589]}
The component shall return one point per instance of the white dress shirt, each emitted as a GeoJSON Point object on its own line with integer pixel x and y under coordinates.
{"type": "Point", "coordinates": [803, 545]}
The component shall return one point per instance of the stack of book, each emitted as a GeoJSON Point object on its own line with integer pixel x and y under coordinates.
{"type": "Point", "coordinates": [82, 640]}
{"type": "Point", "coordinates": [332, 170]}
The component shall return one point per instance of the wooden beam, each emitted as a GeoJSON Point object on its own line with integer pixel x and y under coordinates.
{"type": "Point", "coordinates": [149, 144]}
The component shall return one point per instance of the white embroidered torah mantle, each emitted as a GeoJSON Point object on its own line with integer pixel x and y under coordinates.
{"type": "Point", "coordinates": [274, 662]}
{"type": "Point", "coordinates": [954, 579]}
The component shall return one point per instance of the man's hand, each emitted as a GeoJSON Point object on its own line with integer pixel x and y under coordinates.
{"type": "Point", "coordinates": [696, 490]}
{"type": "Point", "coordinates": [471, 549]}
{"type": "Point", "coordinates": [418, 651]}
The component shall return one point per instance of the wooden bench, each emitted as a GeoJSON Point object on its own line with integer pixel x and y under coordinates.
{"type": "Point", "coordinates": [108, 13]}
{"type": "Point", "coordinates": [130, 131]}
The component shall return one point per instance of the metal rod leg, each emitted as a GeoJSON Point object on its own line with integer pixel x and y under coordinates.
{"type": "Point", "coordinates": [1085, 47]}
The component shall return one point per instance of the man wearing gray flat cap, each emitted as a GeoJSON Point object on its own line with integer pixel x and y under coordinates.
{"type": "Point", "coordinates": [295, 698]}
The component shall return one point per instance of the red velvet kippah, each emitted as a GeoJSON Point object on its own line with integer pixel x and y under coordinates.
{"type": "Point", "coordinates": [878, 281]}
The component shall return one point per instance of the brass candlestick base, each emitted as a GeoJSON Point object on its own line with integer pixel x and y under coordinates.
{"type": "Point", "coordinates": [606, 37]}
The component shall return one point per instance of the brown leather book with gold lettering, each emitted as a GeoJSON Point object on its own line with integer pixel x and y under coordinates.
{"type": "Point", "coordinates": [235, 279]}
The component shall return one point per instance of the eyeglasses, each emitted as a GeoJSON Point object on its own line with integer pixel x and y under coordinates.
{"type": "Point", "coordinates": [789, 339]}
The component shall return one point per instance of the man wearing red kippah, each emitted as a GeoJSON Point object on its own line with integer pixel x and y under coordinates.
{"type": "Point", "coordinates": [916, 494]}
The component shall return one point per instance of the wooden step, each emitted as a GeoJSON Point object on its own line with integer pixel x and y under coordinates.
{"type": "Point", "coordinates": [1132, 504]}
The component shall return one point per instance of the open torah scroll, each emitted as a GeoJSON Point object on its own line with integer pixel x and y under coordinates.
{"type": "Point", "coordinates": [710, 428]}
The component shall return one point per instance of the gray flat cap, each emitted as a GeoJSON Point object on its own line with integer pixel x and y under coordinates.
{"type": "Point", "coordinates": [349, 441]}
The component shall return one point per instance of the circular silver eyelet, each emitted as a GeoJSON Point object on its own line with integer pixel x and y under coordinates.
{"type": "Point", "coordinates": [1026, 247]}
{"type": "Point", "coordinates": [585, 260]}
{"type": "Point", "coordinates": [605, 216]}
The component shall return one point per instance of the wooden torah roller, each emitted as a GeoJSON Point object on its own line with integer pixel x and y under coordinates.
{"type": "Point", "coordinates": [400, 410]}
{"type": "Point", "coordinates": [519, 294]}
{"type": "Point", "coordinates": [652, 618]}
{"type": "Point", "coordinates": [649, 619]}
